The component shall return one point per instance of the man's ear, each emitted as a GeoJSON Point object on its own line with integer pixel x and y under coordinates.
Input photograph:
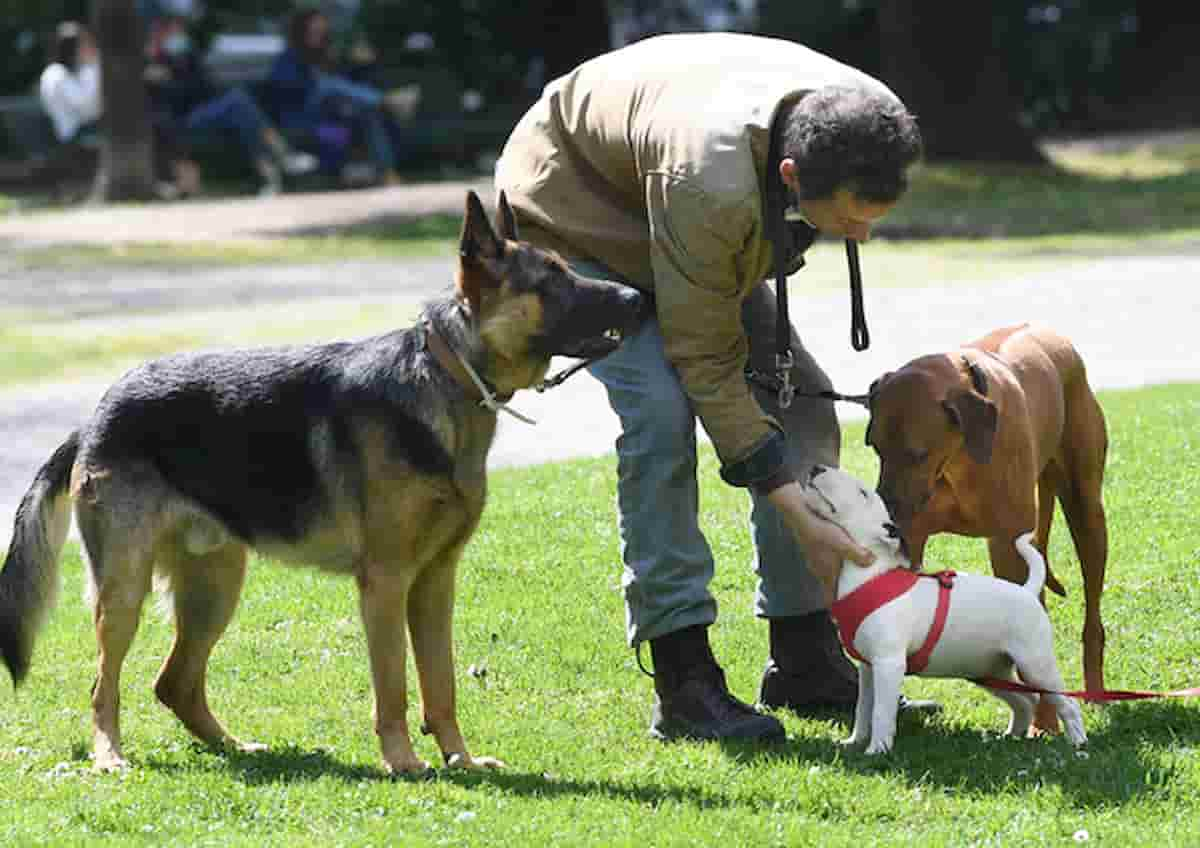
{"type": "Point", "coordinates": [787, 170]}
{"type": "Point", "coordinates": [478, 241]}
{"type": "Point", "coordinates": [508, 221]}
{"type": "Point", "coordinates": [976, 417]}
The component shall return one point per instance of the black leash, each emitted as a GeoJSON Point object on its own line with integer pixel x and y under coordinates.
{"type": "Point", "coordinates": [559, 378]}
{"type": "Point", "coordinates": [772, 384]}
{"type": "Point", "coordinates": [860, 337]}
{"type": "Point", "coordinates": [777, 231]}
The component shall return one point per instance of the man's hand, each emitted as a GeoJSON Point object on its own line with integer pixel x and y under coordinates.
{"type": "Point", "coordinates": [826, 544]}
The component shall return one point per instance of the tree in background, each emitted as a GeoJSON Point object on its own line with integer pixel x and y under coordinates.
{"type": "Point", "coordinates": [127, 154]}
{"type": "Point", "coordinates": [1166, 62]}
{"type": "Point", "coordinates": [943, 59]}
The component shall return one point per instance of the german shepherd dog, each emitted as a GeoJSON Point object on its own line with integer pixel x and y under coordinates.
{"type": "Point", "coordinates": [364, 458]}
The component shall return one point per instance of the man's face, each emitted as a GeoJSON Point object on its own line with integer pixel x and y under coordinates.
{"type": "Point", "coordinates": [843, 214]}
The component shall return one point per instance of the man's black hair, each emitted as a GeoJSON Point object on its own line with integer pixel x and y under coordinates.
{"type": "Point", "coordinates": [855, 138]}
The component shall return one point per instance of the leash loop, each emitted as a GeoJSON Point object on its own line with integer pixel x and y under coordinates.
{"type": "Point", "coordinates": [860, 337]}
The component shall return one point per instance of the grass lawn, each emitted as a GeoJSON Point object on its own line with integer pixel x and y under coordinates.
{"type": "Point", "coordinates": [563, 703]}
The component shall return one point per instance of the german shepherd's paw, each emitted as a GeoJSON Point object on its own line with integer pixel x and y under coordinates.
{"type": "Point", "coordinates": [466, 761]}
{"type": "Point", "coordinates": [408, 767]}
{"type": "Point", "coordinates": [110, 764]}
{"type": "Point", "coordinates": [248, 747]}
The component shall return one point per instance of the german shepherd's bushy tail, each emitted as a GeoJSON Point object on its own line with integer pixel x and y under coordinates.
{"type": "Point", "coordinates": [29, 581]}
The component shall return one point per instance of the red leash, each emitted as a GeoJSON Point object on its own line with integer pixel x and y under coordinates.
{"type": "Point", "coordinates": [1101, 695]}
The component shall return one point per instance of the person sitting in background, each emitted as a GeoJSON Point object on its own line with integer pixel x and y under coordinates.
{"type": "Point", "coordinates": [70, 93]}
{"type": "Point", "coordinates": [69, 87]}
{"type": "Point", "coordinates": [306, 92]}
{"type": "Point", "coordinates": [182, 93]}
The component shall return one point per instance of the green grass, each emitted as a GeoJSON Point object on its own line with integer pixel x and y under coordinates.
{"type": "Point", "coordinates": [539, 607]}
{"type": "Point", "coordinates": [35, 348]}
{"type": "Point", "coordinates": [400, 237]}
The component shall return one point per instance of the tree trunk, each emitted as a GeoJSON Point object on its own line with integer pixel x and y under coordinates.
{"type": "Point", "coordinates": [127, 156]}
{"type": "Point", "coordinates": [572, 33]}
{"type": "Point", "coordinates": [939, 57]}
{"type": "Point", "coordinates": [1167, 65]}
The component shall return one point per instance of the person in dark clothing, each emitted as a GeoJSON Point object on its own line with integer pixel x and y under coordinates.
{"type": "Point", "coordinates": [182, 94]}
{"type": "Point", "coordinates": [305, 92]}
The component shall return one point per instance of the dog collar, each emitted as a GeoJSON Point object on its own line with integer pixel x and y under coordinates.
{"type": "Point", "coordinates": [850, 611]}
{"type": "Point", "coordinates": [466, 376]}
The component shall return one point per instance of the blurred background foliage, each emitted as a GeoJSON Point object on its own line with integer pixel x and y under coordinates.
{"type": "Point", "coordinates": [984, 77]}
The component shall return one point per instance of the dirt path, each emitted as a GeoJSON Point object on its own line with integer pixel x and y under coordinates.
{"type": "Point", "coordinates": [240, 218]}
{"type": "Point", "coordinates": [1132, 318]}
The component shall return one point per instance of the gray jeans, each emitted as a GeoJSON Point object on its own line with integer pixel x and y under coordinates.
{"type": "Point", "coordinates": [668, 562]}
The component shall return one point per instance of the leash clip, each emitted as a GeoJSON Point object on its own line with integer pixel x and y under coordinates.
{"type": "Point", "coordinates": [783, 370]}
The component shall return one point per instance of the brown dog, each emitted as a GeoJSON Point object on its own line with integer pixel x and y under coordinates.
{"type": "Point", "coordinates": [979, 441]}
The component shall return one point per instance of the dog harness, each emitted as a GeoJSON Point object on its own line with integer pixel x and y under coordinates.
{"type": "Point", "coordinates": [850, 611]}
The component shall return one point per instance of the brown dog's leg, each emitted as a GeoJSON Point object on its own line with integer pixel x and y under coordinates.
{"type": "Point", "coordinates": [383, 602]}
{"type": "Point", "coordinates": [205, 592]}
{"type": "Point", "coordinates": [1084, 451]}
{"type": "Point", "coordinates": [430, 621]}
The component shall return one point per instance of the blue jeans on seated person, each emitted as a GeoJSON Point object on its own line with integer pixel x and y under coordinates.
{"type": "Point", "coordinates": [668, 562]}
{"type": "Point", "coordinates": [234, 111]}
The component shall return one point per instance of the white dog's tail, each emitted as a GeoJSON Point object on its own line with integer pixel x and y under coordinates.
{"type": "Point", "coordinates": [1034, 559]}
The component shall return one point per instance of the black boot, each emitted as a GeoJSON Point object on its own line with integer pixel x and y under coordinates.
{"type": "Point", "coordinates": [692, 700]}
{"type": "Point", "coordinates": [807, 671]}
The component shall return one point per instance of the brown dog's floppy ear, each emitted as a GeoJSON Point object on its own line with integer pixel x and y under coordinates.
{"type": "Point", "coordinates": [978, 378]}
{"type": "Point", "coordinates": [478, 240]}
{"type": "Point", "coordinates": [508, 221]}
{"type": "Point", "coordinates": [875, 384]}
{"type": "Point", "coordinates": [976, 417]}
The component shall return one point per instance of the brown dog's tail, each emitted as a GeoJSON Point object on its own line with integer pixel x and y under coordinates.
{"type": "Point", "coordinates": [29, 581]}
{"type": "Point", "coordinates": [1052, 583]}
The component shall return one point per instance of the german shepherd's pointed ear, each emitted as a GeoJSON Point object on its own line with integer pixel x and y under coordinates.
{"type": "Point", "coordinates": [478, 240]}
{"type": "Point", "coordinates": [477, 245]}
{"type": "Point", "coordinates": [976, 417]}
{"type": "Point", "coordinates": [508, 221]}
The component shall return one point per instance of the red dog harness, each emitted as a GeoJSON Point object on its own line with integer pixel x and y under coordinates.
{"type": "Point", "coordinates": [850, 611]}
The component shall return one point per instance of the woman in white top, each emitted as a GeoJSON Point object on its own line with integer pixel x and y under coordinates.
{"type": "Point", "coordinates": [70, 84]}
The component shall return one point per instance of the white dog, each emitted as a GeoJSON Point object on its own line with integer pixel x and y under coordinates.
{"type": "Point", "coordinates": [991, 626]}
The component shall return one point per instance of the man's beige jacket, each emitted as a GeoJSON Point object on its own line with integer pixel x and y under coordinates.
{"type": "Point", "coordinates": [651, 160]}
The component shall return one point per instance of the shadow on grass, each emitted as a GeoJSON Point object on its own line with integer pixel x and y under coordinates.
{"type": "Point", "coordinates": [384, 227]}
{"type": "Point", "coordinates": [1128, 758]}
{"type": "Point", "coordinates": [285, 764]}
{"type": "Point", "coordinates": [1128, 755]}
